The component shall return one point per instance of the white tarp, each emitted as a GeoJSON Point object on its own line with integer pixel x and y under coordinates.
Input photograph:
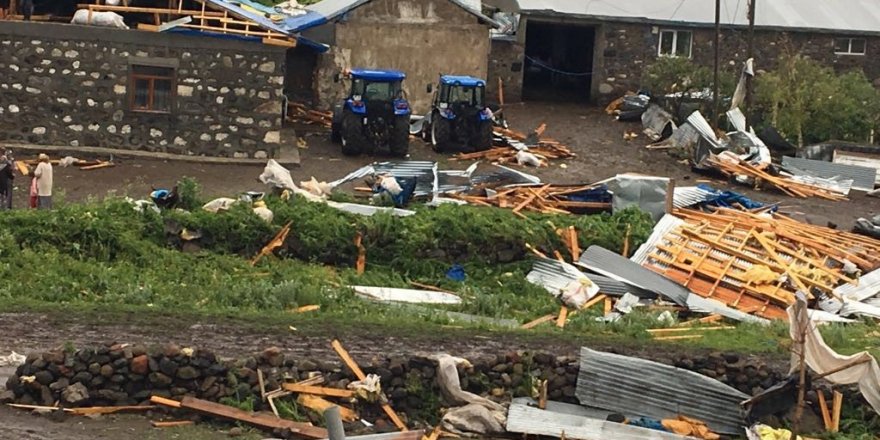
{"type": "Point", "coordinates": [106, 19]}
{"type": "Point", "coordinates": [863, 368]}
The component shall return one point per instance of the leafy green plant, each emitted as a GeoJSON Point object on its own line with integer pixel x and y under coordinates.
{"type": "Point", "coordinates": [290, 410]}
{"type": "Point", "coordinates": [246, 404]}
{"type": "Point", "coordinates": [808, 102]}
{"type": "Point", "coordinates": [681, 76]}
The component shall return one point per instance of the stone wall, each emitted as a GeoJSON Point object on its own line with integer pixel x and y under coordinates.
{"type": "Point", "coordinates": [129, 374]}
{"type": "Point", "coordinates": [421, 38]}
{"type": "Point", "coordinates": [506, 61]}
{"type": "Point", "coordinates": [69, 85]}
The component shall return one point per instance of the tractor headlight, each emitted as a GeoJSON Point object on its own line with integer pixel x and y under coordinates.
{"type": "Point", "coordinates": [444, 105]}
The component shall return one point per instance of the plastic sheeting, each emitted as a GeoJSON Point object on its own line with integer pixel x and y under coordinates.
{"type": "Point", "coordinates": [862, 368]}
{"type": "Point", "coordinates": [406, 295]}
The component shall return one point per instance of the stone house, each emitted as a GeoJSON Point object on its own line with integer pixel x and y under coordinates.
{"type": "Point", "coordinates": [422, 38]}
{"type": "Point", "coordinates": [596, 51]}
{"type": "Point", "coordinates": [69, 85]}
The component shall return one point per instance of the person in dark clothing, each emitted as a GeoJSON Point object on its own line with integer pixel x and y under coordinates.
{"type": "Point", "coordinates": [27, 9]}
{"type": "Point", "coordinates": [6, 177]}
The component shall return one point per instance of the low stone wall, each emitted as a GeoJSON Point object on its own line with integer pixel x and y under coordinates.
{"type": "Point", "coordinates": [69, 85]}
{"type": "Point", "coordinates": [129, 375]}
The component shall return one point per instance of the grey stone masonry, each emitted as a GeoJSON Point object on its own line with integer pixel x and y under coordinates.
{"type": "Point", "coordinates": [71, 85]}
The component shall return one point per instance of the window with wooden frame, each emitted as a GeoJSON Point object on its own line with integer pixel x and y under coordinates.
{"type": "Point", "coordinates": [675, 43]}
{"type": "Point", "coordinates": [849, 46]}
{"type": "Point", "coordinates": [152, 88]}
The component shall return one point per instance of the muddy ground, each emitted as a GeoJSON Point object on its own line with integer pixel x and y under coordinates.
{"type": "Point", "coordinates": [594, 136]}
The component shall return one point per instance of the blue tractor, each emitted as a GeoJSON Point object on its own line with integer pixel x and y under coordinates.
{"type": "Point", "coordinates": [459, 118]}
{"type": "Point", "coordinates": [375, 114]}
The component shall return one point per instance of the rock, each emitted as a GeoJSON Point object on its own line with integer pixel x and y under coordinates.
{"type": "Point", "coordinates": [117, 378]}
{"type": "Point", "coordinates": [46, 396]}
{"type": "Point", "coordinates": [171, 350]}
{"type": "Point", "coordinates": [7, 396]}
{"type": "Point", "coordinates": [168, 367]}
{"type": "Point", "coordinates": [38, 363]}
{"type": "Point", "coordinates": [113, 396]}
{"type": "Point", "coordinates": [82, 376]}
{"type": "Point", "coordinates": [307, 365]}
{"type": "Point", "coordinates": [44, 377]}
{"type": "Point", "coordinates": [731, 358]}
{"type": "Point", "coordinates": [208, 383]}
{"type": "Point", "coordinates": [235, 431]}
{"type": "Point", "coordinates": [140, 364]}
{"type": "Point", "coordinates": [159, 379]}
{"type": "Point", "coordinates": [273, 356]}
{"type": "Point", "coordinates": [120, 363]}
{"type": "Point", "coordinates": [106, 370]}
{"type": "Point", "coordinates": [153, 364]}
{"type": "Point", "coordinates": [138, 350]}
{"type": "Point", "coordinates": [500, 368]}
{"type": "Point", "coordinates": [60, 384]}
{"type": "Point", "coordinates": [54, 357]}
{"type": "Point", "coordinates": [187, 373]}
{"type": "Point", "coordinates": [497, 392]}
{"type": "Point", "coordinates": [96, 382]}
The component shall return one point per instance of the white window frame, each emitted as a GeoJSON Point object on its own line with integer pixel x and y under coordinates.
{"type": "Point", "coordinates": [850, 45]}
{"type": "Point", "coordinates": [674, 53]}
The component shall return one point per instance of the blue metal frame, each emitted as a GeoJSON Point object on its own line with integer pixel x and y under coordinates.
{"type": "Point", "coordinates": [458, 80]}
{"type": "Point", "coordinates": [378, 75]}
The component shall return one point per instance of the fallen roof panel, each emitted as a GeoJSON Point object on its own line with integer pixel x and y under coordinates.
{"type": "Point", "coordinates": [406, 295]}
{"type": "Point", "coordinates": [605, 262]}
{"type": "Point", "coordinates": [575, 422]}
{"type": "Point", "coordinates": [869, 285]}
{"type": "Point", "coordinates": [626, 384]}
{"type": "Point", "coordinates": [863, 177]}
{"type": "Point", "coordinates": [554, 275]}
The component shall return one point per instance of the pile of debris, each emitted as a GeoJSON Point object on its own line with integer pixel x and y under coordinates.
{"type": "Point", "coordinates": [299, 112]}
{"type": "Point", "coordinates": [516, 147]}
{"type": "Point", "coordinates": [544, 198]}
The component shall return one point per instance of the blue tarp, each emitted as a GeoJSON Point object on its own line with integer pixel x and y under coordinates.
{"type": "Point", "coordinates": [726, 199]}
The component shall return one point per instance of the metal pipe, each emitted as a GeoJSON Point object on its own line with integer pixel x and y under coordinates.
{"type": "Point", "coordinates": [750, 55]}
{"type": "Point", "coordinates": [716, 97]}
{"type": "Point", "coordinates": [335, 430]}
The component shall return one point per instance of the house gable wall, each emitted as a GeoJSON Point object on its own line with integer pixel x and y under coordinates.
{"type": "Point", "coordinates": [69, 85]}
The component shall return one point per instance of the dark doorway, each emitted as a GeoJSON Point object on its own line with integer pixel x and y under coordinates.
{"type": "Point", "coordinates": [559, 62]}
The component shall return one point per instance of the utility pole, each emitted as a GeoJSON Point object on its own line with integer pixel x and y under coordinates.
{"type": "Point", "coordinates": [751, 55]}
{"type": "Point", "coordinates": [716, 97]}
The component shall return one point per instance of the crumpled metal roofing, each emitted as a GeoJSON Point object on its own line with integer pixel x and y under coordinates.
{"type": "Point", "coordinates": [317, 14]}
{"type": "Point", "coordinates": [631, 385]}
{"type": "Point", "coordinates": [851, 16]}
{"type": "Point", "coordinates": [605, 262]}
{"type": "Point", "coordinates": [863, 177]}
{"type": "Point", "coordinates": [575, 421]}
{"type": "Point", "coordinates": [869, 286]}
{"type": "Point", "coordinates": [554, 275]}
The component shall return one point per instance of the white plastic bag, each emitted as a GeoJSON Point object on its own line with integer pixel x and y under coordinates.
{"type": "Point", "coordinates": [68, 161]}
{"type": "Point", "coordinates": [576, 293]}
{"type": "Point", "coordinates": [525, 158]}
{"type": "Point", "coordinates": [217, 205]}
{"type": "Point", "coordinates": [106, 19]}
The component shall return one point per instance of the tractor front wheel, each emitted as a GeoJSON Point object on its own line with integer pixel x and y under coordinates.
{"type": "Point", "coordinates": [482, 140]}
{"type": "Point", "coordinates": [352, 134]}
{"type": "Point", "coordinates": [399, 144]}
{"type": "Point", "coordinates": [441, 133]}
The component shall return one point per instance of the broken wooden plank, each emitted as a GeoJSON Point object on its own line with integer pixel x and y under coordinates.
{"type": "Point", "coordinates": [258, 420]}
{"type": "Point", "coordinates": [563, 315]}
{"type": "Point", "coordinates": [678, 337]}
{"type": "Point", "coordinates": [836, 405]}
{"type": "Point", "coordinates": [98, 166]}
{"type": "Point", "coordinates": [320, 405]}
{"type": "Point", "coordinates": [93, 410]}
{"type": "Point", "coordinates": [163, 401]}
{"type": "Point", "coordinates": [688, 329]}
{"type": "Point", "coordinates": [593, 301]}
{"type": "Point", "coordinates": [275, 243]}
{"type": "Point", "coordinates": [353, 366]}
{"type": "Point", "coordinates": [537, 322]}
{"type": "Point", "coordinates": [823, 408]}
{"type": "Point", "coordinates": [318, 391]}
{"type": "Point", "coordinates": [308, 308]}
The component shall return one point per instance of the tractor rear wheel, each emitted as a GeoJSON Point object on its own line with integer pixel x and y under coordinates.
{"type": "Point", "coordinates": [352, 134]}
{"type": "Point", "coordinates": [482, 140]}
{"type": "Point", "coordinates": [399, 144]}
{"type": "Point", "coordinates": [441, 133]}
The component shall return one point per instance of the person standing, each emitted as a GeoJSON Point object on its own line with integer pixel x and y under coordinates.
{"type": "Point", "coordinates": [6, 177]}
{"type": "Point", "coordinates": [27, 9]}
{"type": "Point", "coordinates": [43, 176]}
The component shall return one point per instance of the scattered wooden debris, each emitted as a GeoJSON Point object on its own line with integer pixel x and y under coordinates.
{"type": "Point", "coordinates": [546, 199]}
{"type": "Point", "coordinates": [361, 263]}
{"type": "Point", "coordinates": [259, 420]}
{"type": "Point", "coordinates": [353, 366]}
{"type": "Point", "coordinates": [95, 410]}
{"type": "Point", "coordinates": [756, 263]}
{"type": "Point", "coordinates": [505, 152]}
{"type": "Point", "coordinates": [309, 308]}
{"type": "Point", "coordinates": [791, 187]}
{"type": "Point", "coordinates": [299, 112]}
{"type": "Point", "coordinates": [320, 405]}
{"type": "Point", "coordinates": [317, 391]}
{"type": "Point", "coordinates": [563, 315]}
{"type": "Point", "coordinates": [537, 322]}
{"type": "Point", "coordinates": [98, 166]}
{"type": "Point", "coordinates": [275, 243]}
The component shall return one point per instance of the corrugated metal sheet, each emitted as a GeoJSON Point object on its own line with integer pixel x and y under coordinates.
{"type": "Point", "coordinates": [702, 126]}
{"type": "Point", "coordinates": [685, 196]}
{"type": "Point", "coordinates": [856, 160]}
{"type": "Point", "coordinates": [697, 303]}
{"type": "Point", "coordinates": [576, 423]}
{"type": "Point", "coordinates": [423, 170]}
{"type": "Point", "coordinates": [554, 275]}
{"type": "Point", "coordinates": [605, 262]}
{"type": "Point", "coordinates": [737, 119]}
{"type": "Point", "coordinates": [848, 16]}
{"type": "Point", "coordinates": [684, 138]}
{"type": "Point", "coordinates": [869, 285]}
{"type": "Point", "coordinates": [656, 120]}
{"type": "Point", "coordinates": [626, 384]}
{"type": "Point", "coordinates": [663, 227]}
{"type": "Point", "coordinates": [863, 177]}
